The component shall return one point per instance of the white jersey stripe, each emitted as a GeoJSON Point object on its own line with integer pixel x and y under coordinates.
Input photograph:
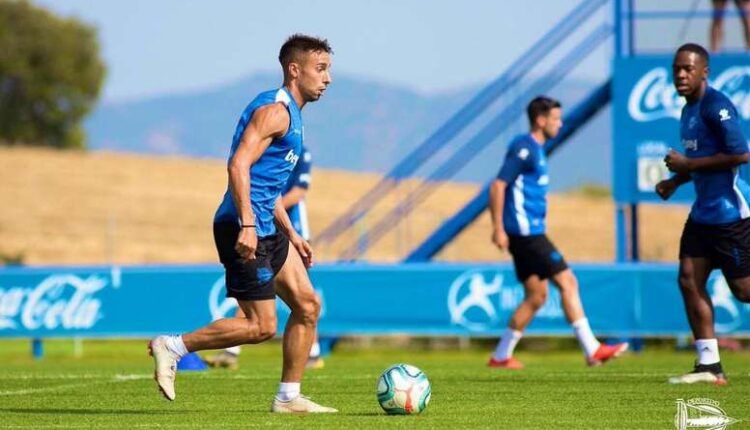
{"type": "Point", "coordinates": [520, 212]}
{"type": "Point", "coordinates": [744, 209]}
{"type": "Point", "coordinates": [303, 224]}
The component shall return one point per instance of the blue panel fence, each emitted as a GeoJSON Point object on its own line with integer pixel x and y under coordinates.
{"type": "Point", "coordinates": [415, 299]}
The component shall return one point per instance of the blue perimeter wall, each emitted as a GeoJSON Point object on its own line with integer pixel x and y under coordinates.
{"type": "Point", "coordinates": [358, 299]}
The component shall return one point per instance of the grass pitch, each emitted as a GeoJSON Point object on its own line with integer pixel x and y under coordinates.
{"type": "Point", "coordinates": [110, 387]}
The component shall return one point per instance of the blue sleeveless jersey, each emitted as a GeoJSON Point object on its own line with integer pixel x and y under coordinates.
{"type": "Point", "coordinates": [525, 172]}
{"type": "Point", "coordinates": [708, 127]}
{"type": "Point", "coordinates": [300, 177]}
{"type": "Point", "coordinates": [270, 172]}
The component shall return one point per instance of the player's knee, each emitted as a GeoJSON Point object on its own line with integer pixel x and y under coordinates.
{"type": "Point", "coordinates": [685, 281]}
{"type": "Point", "coordinates": [267, 331]}
{"type": "Point", "coordinates": [537, 299]}
{"type": "Point", "coordinates": [262, 330]}
{"type": "Point", "coordinates": [309, 309]}
{"type": "Point", "coordinates": [569, 286]}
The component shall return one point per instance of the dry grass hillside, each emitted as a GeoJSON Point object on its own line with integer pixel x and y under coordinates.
{"type": "Point", "coordinates": [68, 207]}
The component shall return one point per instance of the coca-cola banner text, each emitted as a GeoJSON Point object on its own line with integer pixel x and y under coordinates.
{"type": "Point", "coordinates": [646, 113]}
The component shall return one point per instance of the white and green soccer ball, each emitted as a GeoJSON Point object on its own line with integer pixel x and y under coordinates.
{"type": "Point", "coordinates": [403, 389]}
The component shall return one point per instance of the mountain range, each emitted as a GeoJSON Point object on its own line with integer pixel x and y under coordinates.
{"type": "Point", "coordinates": [359, 125]}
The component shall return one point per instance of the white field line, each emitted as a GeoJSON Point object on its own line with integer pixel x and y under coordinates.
{"type": "Point", "coordinates": [92, 381]}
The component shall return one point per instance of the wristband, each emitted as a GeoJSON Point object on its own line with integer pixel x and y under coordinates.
{"type": "Point", "coordinates": [247, 226]}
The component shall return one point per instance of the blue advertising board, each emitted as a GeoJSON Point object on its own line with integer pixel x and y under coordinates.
{"type": "Point", "coordinates": [646, 112]}
{"type": "Point", "coordinates": [416, 299]}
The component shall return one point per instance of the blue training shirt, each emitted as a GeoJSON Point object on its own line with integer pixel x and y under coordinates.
{"type": "Point", "coordinates": [300, 177]}
{"type": "Point", "coordinates": [269, 174]}
{"type": "Point", "coordinates": [707, 127]}
{"type": "Point", "coordinates": [525, 172]}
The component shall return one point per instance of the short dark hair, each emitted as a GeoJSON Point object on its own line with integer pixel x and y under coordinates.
{"type": "Point", "coordinates": [299, 43]}
{"type": "Point", "coordinates": [696, 49]}
{"type": "Point", "coordinates": [541, 105]}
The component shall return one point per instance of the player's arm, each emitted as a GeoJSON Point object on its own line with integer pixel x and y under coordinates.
{"type": "Point", "coordinates": [497, 204]}
{"type": "Point", "coordinates": [679, 163]}
{"type": "Point", "coordinates": [515, 162]}
{"type": "Point", "coordinates": [667, 187]}
{"type": "Point", "coordinates": [267, 123]}
{"type": "Point", "coordinates": [293, 196]}
{"type": "Point", "coordinates": [285, 224]}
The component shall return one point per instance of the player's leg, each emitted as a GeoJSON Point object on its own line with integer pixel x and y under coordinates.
{"type": "Point", "coordinates": [259, 325]}
{"type": "Point", "coordinates": [596, 353]}
{"type": "Point", "coordinates": [315, 361]}
{"type": "Point", "coordinates": [717, 24]}
{"type": "Point", "coordinates": [535, 294]}
{"type": "Point", "coordinates": [250, 282]}
{"type": "Point", "coordinates": [744, 7]}
{"type": "Point", "coordinates": [701, 247]}
{"type": "Point", "coordinates": [294, 287]}
{"type": "Point", "coordinates": [693, 275]}
{"type": "Point", "coordinates": [228, 357]}
{"type": "Point", "coordinates": [732, 255]}
{"type": "Point", "coordinates": [740, 288]}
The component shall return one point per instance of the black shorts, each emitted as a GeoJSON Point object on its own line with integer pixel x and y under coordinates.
{"type": "Point", "coordinates": [535, 255]}
{"type": "Point", "coordinates": [250, 280]}
{"type": "Point", "coordinates": [727, 246]}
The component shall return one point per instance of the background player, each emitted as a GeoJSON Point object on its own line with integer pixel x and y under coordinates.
{"type": "Point", "coordinates": [717, 231]}
{"type": "Point", "coordinates": [293, 200]}
{"type": "Point", "coordinates": [266, 146]}
{"type": "Point", "coordinates": [518, 204]}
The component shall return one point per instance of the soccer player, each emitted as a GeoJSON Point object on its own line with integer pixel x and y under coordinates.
{"type": "Point", "coordinates": [293, 200]}
{"type": "Point", "coordinates": [717, 231]}
{"type": "Point", "coordinates": [266, 146]}
{"type": "Point", "coordinates": [518, 206]}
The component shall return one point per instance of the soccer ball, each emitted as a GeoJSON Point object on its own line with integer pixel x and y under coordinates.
{"type": "Point", "coordinates": [403, 389]}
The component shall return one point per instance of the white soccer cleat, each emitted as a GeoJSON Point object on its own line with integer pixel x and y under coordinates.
{"type": "Point", "coordinates": [165, 364]}
{"type": "Point", "coordinates": [300, 404]}
{"type": "Point", "coordinates": [707, 373]}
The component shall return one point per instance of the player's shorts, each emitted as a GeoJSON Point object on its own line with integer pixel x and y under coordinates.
{"type": "Point", "coordinates": [535, 255]}
{"type": "Point", "coordinates": [250, 279]}
{"type": "Point", "coordinates": [727, 246]}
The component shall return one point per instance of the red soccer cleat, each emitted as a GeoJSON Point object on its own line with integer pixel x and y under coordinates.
{"type": "Point", "coordinates": [509, 363]}
{"type": "Point", "coordinates": [606, 353]}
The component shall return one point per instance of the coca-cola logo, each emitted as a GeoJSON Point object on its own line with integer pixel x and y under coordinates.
{"type": "Point", "coordinates": [654, 97]}
{"type": "Point", "coordinates": [59, 301]}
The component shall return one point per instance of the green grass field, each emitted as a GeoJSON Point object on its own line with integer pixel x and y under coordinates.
{"type": "Point", "coordinates": [110, 387]}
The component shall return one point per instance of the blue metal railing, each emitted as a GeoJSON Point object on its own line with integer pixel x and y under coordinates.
{"type": "Point", "coordinates": [462, 118]}
{"type": "Point", "coordinates": [579, 115]}
{"type": "Point", "coordinates": [470, 149]}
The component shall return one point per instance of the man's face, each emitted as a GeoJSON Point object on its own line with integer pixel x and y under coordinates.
{"type": "Point", "coordinates": [551, 123]}
{"type": "Point", "coordinates": [689, 71]}
{"type": "Point", "coordinates": [314, 74]}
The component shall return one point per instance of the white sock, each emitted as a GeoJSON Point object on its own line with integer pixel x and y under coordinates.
{"type": "Point", "coordinates": [708, 351]}
{"type": "Point", "coordinates": [234, 350]}
{"type": "Point", "coordinates": [176, 346]}
{"type": "Point", "coordinates": [315, 350]}
{"type": "Point", "coordinates": [288, 391]}
{"type": "Point", "coordinates": [507, 344]}
{"type": "Point", "coordinates": [585, 336]}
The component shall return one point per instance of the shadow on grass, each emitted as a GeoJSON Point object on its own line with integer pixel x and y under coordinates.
{"type": "Point", "coordinates": [92, 411]}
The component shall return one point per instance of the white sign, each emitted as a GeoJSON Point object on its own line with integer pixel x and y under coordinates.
{"type": "Point", "coordinates": [654, 96]}
{"type": "Point", "coordinates": [59, 301]}
{"type": "Point", "coordinates": [475, 300]}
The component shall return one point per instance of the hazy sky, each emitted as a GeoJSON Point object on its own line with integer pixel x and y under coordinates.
{"type": "Point", "coordinates": [164, 46]}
